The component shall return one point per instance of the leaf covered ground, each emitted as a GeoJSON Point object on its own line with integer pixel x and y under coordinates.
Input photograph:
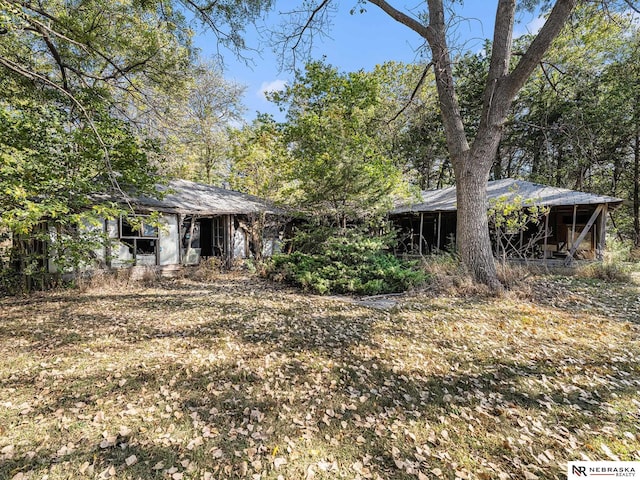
{"type": "Point", "coordinates": [237, 378]}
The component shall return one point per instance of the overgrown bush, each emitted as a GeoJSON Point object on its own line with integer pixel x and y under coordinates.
{"type": "Point", "coordinates": [350, 261]}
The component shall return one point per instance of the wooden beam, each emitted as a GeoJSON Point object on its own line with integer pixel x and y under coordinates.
{"type": "Point", "coordinates": [546, 235]}
{"type": "Point", "coordinates": [228, 241]}
{"type": "Point", "coordinates": [434, 232]}
{"type": "Point", "coordinates": [420, 237]}
{"type": "Point", "coordinates": [231, 236]}
{"type": "Point", "coordinates": [179, 218]}
{"type": "Point", "coordinates": [583, 234]}
{"type": "Point", "coordinates": [573, 224]}
{"type": "Point", "coordinates": [439, 230]}
{"type": "Point", "coordinates": [188, 252]}
{"type": "Point", "coordinates": [602, 232]}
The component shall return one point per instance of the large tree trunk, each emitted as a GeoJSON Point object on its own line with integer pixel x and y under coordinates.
{"type": "Point", "coordinates": [473, 241]}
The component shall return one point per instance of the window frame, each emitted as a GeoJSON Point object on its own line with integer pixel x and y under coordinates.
{"type": "Point", "coordinates": [141, 232]}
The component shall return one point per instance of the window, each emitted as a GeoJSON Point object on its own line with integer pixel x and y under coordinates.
{"type": "Point", "coordinates": [141, 230]}
{"type": "Point", "coordinates": [141, 238]}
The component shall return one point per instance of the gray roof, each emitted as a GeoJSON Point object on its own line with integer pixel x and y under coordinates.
{"type": "Point", "coordinates": [188, 197]}
{"type": "Point", "coordinates": [444, 200]}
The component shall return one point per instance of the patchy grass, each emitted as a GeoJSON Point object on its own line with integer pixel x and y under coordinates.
{"type": "Point", "coordinates": [237, 378]}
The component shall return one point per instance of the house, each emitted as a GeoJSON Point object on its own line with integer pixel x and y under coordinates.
{"type": "Point", "coordinates": [194, 221]}
{"type": "Point", "coordinates": [574, 227]}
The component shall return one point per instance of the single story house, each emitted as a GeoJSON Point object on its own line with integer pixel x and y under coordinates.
{"type": "Point", "coordinates": [195, 221]}
{"type": "Point", "coordinates": [574, 227]}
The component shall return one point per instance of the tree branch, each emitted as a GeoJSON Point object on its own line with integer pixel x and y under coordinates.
{"type": "Point", "coordinates": [539, 46]}
{"type": "Point", "coordinates": [414, 93]}
{"type": "Point", "coordinates": [501, 48]}
{"type": "Point", "coordinates": [632, 6]}
{"type": "Point", "coordinates": [56, 56]}
{"type": "Point", "coordinates": [401, 17]}
{"type": "Point", "coordinates": [494, 104]}
{"type": "Point", "coordinates": [34, 21]}
{"type": "Point", "coordinates": [457, 143]}
{"type": "Point", "coordinates": [306, 26]}
{"type": "Point", "coordinates": [546, 75]}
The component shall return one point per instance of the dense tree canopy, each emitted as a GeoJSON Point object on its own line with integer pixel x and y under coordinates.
{"type": "Point", "coordinates": [332, 129]}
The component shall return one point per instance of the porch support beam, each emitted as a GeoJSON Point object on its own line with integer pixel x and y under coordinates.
{"type": "Point", "coordinates": [583, 234]}
{"type": "Point", "coordinates": [420, 237]}
{"type": "Point", "coordinates": [439, 230]}
{"type": "Point", "coordinates": [573, 224]}
{"type": "Point", "coordinates": [546, 236]}
{"type": "Point", "coordinates": [602, 233]}
{"type": "Point", "coordinates": [191, 226]}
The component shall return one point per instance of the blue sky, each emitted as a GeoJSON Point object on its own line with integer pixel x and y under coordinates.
{"type": "Point", "coordinates": [354, 42]}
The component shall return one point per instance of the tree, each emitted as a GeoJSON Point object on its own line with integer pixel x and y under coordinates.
{"type": "Point", "coordinates": [340, 166]}
{"type": "Point", "coordinates": [472, 157]}
{"type": "Point", "coordinates": [574, 122]}
{"type": "Point", "coordinates": [261, 163]}
{"type": "Point", "coordinates": [623, 107]}
{"type": "Point", "coordinates": [51, 168]}
{"type": "Point", "coordinates": [193, 125]}
{"type": "Point", "coordinates": [78, 49]}
{"type": "Point", "coordinates": [62, 44]}
{"type": "Point", "coordinates": [562, 129]}
{"type": "Point", "coordinates": [410, 127]}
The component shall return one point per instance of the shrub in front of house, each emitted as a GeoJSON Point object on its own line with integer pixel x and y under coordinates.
{"type": "Point", "coordinates": [344, 261]}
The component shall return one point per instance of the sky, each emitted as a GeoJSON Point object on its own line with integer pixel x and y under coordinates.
{"type": "Point", "coordinates": [354, 42]}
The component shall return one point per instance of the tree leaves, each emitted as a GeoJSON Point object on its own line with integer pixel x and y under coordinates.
{"type": "Point", "coordinates": [340, 165]}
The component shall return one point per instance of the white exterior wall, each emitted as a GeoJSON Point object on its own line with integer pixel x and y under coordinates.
{"type": "Point", "coordinates": [169, 240]}
{"type": "Point", "coordinates": [120, 254]}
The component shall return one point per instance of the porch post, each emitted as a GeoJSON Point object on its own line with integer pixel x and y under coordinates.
{"type": "Point", "coordinates": [583, 234]}
{"type": "Point", "coordinates": [188, 252]}
{"type": "Point", "coordinates": [229, 248]}
{"type": "Point", "coordinates": [602, 232]}
{"type": "Point", "coordinates": [573, 225]}
{"type": "Point", "coordinates": [439, 230]}
{"type": "Point", "coordinates": [420, 237]}
{"type": "Point", "coordinates": [180, 234]}
{"type": "Point", "coordinates": [546, 236]}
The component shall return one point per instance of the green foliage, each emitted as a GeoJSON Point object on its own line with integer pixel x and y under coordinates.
{"type": "Point", "coordinates": [194, 128]}
{"type": "Point", "coordinates": [510, 216]}
{"type": "Point", "coordinates": [350, 261]}
{"type": "Point", "coordinates": [52, 167]}
{"type": "Point", "coordinates": [572, 123]}
{"type": "Point", "coordinates": [413, 134]}
{"type": "Point", "coordinates": [52, 163]}
{"type": "Point", "coordinates": [513, 213]}
{"type": "Point", "coordinates": [80, 81]}
{"type": "Point", "coordinates": [262, 165]}
{"type": "Point", "coordinates": [339, 166]}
